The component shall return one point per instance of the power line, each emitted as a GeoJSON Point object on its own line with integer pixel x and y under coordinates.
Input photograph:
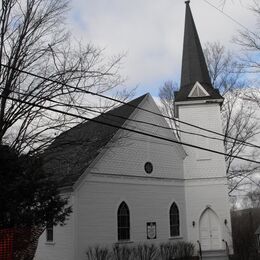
{"type": "Point", "coordinates": [130, 130]}
{"type": "Point", "coordinates": [229, 17]}
{"type": "Point", "coordinates": [122, 117]}
{"type": "Point", "coordinates": [128, 104]}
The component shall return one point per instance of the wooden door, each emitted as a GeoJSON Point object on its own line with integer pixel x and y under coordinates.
{"type": "Point", "coordinates": [209, 229]}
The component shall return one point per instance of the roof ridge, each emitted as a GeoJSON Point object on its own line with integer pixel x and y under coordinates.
{"type": "Point", "coordinates": [128, 103]}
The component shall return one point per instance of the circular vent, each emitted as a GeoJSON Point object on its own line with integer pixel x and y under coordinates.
{"type": "Point", "coordinates": [148, 167]}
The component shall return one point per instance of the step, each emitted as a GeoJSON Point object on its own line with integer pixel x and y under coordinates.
{"type": "Point", "coordinates": [214, 255]}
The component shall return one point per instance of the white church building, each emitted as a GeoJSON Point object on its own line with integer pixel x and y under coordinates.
{"type": "Point", "coordinates": [123, 184]}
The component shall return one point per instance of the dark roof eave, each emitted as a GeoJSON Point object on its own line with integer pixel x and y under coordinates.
{"type": "Point", "coordinates": [198, 101]}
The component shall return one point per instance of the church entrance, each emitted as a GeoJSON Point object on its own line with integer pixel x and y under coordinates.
{"type": "Point", "coordinates": [209, 230]}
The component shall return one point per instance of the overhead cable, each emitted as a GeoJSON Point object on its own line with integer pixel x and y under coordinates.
{"type": "Point", "coordinates": [130, 130]}
{"type": "Point", "coordinates": [128, 104]}
{"type": "Point", "coordinates": [122, 117]}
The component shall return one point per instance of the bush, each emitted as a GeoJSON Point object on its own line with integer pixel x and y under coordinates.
{"type": "Point", "coordinates": [145, 252]}
{"type": "Point", "coordinates": [166, 251]}
{"type": "Point", "coordinates": [184, 250]}
{"type": "Point", "coordinates": [121, 253]}
{"type": "Point", "coordinates": [98, 253]}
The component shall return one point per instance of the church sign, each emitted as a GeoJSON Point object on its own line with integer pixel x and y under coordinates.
{"type": "Point", "coordinates": [151, 230]}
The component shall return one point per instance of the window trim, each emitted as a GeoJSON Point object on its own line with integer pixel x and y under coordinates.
{"type": "Point", "coordinates": [119, 239]}
{"type": "Point", "coordinates": [170, 221]}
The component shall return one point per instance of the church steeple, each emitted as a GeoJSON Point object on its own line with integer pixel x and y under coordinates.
{"type": "Point", "coordinates": [194, 67]}
{"type": "Point", "coordinates": [195, 80]}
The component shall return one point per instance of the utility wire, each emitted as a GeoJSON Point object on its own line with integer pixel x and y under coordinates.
{"type": "Point", "coordinates": [229, 17]}
{"type": "Point", "coordinates": [121, 117]}
{"type": "Point", "coordinates": [130, 130]}
{"type": "Point", "coordinates": [125, 103]}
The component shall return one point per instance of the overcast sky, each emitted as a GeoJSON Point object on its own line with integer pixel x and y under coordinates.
{"type": "Point", "coordinates": [150, 32]}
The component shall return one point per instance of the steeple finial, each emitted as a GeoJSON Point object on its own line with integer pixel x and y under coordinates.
{"type": "Point", "coordinates": [194, 66]}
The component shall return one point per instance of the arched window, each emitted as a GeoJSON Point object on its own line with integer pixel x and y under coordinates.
{"type": "Point", "coordinates": [123, 222]}
{"type": "Point", "coordinates": [174, 220]}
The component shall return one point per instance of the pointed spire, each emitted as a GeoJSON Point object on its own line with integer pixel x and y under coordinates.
{"type": "Point", "coordinates": [195, 80]}
{"type": "Point", "coordinates": [194, 66]}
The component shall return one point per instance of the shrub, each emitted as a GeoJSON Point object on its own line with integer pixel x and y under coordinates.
{"type": "Point", "coordinates": [167, 251]}
{"type": "Point", "coordinates": [184, 250]}
{"type": "Point", "coordinates": [145, 252]}
{"type": "Point", "coordinates": [121, 253]}
{"type": "Point", "coordinates": [98, 253]}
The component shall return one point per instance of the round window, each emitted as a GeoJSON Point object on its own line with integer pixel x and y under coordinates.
{"type": "Point", "coordinates": [148, 167]}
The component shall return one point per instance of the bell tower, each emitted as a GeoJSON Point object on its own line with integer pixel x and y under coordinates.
{"type": "Point", "coordinates": [198, 103]}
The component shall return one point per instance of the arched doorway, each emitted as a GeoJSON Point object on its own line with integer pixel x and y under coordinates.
{"type": "Point", "coordinates": [209, 228]}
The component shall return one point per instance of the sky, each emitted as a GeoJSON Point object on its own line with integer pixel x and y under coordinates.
{"type": "Point", "coordinates": [150, 33]}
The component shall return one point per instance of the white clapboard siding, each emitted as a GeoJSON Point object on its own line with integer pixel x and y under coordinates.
{"type": "Point", "coordinates": [205, 172]}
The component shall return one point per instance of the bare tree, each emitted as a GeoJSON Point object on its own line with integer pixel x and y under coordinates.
{"type": "Point", "coordinates": [250, 43]}
{"type": "Point", "coordinates": [239, 116]}
{"type": "Point", "coordinates": [252, 198]}
{"type": "Point", "coordinates": [240, 122]}
{"type": "Point", "coordinates": [166, 95]}
{"type": "Point", "coordinates": [224, 69]}
{"type": "Point", "coordinates": [33, 38]}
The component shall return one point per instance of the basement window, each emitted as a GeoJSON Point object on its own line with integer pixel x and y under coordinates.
{"type": "Point", "coordinates": [49, 232]}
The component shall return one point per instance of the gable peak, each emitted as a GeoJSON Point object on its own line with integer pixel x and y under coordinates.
{"type": "Point", "coordinates": [198, 91]}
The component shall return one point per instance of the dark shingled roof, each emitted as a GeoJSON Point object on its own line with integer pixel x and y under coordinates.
{"type": "Point", "coordinates": [72, 152]}
{"type": "Point", "coordinates": [194, 67]}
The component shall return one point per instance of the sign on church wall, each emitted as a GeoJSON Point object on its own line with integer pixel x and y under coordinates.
{"type": "Point", "coordinates": [151, 230]}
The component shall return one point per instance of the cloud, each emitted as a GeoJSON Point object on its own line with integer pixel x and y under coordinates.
{"type": "Point", "coordinates": [151, 32]}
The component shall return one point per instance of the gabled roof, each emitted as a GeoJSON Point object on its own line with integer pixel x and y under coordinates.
{"type": "Point", "coordinates": [194, 67]}
{"type": "Point", "coordinates": [73, 151]}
